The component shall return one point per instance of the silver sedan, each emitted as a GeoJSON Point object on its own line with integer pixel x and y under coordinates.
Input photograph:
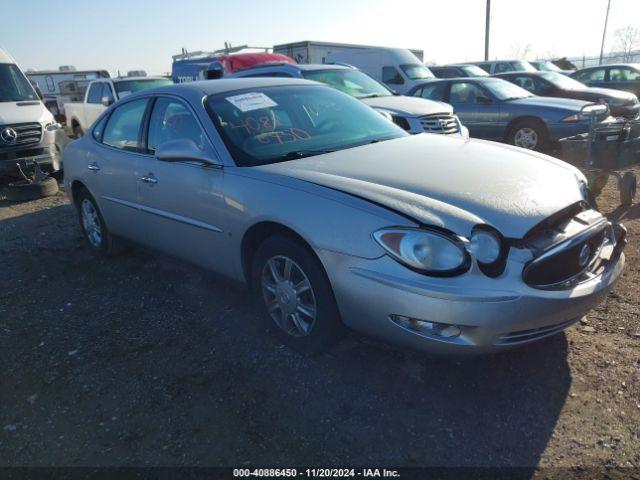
{"type": "Point", "coordinates": [335, 216]}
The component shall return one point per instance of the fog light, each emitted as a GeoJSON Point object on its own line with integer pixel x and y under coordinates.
{"type": "Point", "coordinates": [426, 328]}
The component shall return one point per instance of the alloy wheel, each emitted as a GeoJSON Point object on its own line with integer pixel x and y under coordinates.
{"type": "Point", "coordinates": [526, 137]}
{"type": "Point", "coordinates": [91, 223]}
{"type": "Point", "coordinates": [288, 296]}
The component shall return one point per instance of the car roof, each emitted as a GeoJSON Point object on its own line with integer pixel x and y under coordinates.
{"type": "Point", "coordinates": [224, 85]}
{"type": "Point", "coordinates": [124, 79]}
{"type": "Point", "coordinates": [634, 65]}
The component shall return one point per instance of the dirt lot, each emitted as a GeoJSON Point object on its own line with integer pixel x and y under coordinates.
{"type": "Point", "coordinates": [140, 360]}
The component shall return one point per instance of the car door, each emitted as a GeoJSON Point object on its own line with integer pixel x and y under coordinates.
{"type": "Point", "coordinates": [94, 107]}
{"type": "Point", "coordinates": [476, 108]}
{"type": "Point", "coordinates": [182, 202]}
{"type": "Point", "coordinates": [111, 166]}
{"type": "Point", "coordinates": [624, 78]}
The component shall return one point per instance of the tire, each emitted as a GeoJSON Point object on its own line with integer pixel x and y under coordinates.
{"type": "Point", "coordinates": [23, 191]}
{"type": "Point", "coordinates": [628, 187]}
{"type": "Point", "coordinates": [528, 134]}
{"type": "Point", "coordinates": [103, 244]}
{"type": "Point", "coordinates": [307, 334]}
{"type": "Point", "coordinates": [78, 132]}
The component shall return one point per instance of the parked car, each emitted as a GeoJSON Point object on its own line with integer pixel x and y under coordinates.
{"type": "Point", "coordinates": [494, 109]}
{"type": "Point", "coordinates": [102, 93]}
{"type": "Point", "coordinates": [548, 66]}
{"type": "Point", "coordinates": [501, 66]}
{"type": "Point", "coordinates": [398, 68]}
{"type": "Point", "coordinates": [336, 215]}
{"type": "Point", "coordinates": [413, 115]}
{"type": "Point", "coordinates": [623, 76]}
{"type": "Point", "coordinates": [457, 71]}
{"type": "Point", "coordinates": [28, 130]}
{"type": "Point", "coordinates": [552, 84]}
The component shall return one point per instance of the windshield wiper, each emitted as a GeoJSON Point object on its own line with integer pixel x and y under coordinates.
{"type": "Point", "coordinates": [295, 154]}
{"type": "Point", "coordinates": [373, 95]}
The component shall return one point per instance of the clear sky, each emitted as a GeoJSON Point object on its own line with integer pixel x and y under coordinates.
{"type": "Point", "coordinates": [134, 34]}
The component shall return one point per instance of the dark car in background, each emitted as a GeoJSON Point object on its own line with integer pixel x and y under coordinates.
{"type": "Point", "coordinates": [495, 109]}
{"type": "Point", "coordinates": [457, 71]}
{"type": "Point", "coordinates": [622, 76]}
{"type": "Point", "coordinates": [552, 84]}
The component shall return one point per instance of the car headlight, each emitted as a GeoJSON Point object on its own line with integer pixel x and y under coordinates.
{"type": "Point", "coordinates": [485, 246]}
{"type": "Point", "coordinates": [428, 251]}
{"type": "Point", "coordinates": [402, 122]}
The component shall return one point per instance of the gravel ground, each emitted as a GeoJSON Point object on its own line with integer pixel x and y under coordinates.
{"type": "Point", "coordinates": [140, 360]}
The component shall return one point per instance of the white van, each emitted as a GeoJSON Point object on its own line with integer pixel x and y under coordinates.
{"type": "Point", "coordinates": [28, 130]}
{"type": "Point", "coordinates": [398, 68]}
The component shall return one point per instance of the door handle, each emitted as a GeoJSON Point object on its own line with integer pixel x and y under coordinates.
{"type": "Point", "coordinates": [93, 166]}
{"type": "Point", "coordinates": [149, 179]}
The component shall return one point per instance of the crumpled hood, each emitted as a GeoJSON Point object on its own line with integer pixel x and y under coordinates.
{"type": "Point", "coordinates": [23, 112]}
{"type": "Point", "coordinates": [414, 106]}
{"type": "Point", "coordinates": [610, 93]}
{"type": "Point", "coordinates": [449, 182]}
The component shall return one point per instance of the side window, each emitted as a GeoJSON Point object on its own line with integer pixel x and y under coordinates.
{"type": "Point", "coordinates": [95, 93]}
{"type": "Point", "coordinates": [172, 120]}
{"type": "Point", "coordinates": [107, 92]}
{"type": "Point", "coordinates": [463, 92]}
{"type": "Point", "coordinates": [434, 91]}
{"type": "Point", "coordinates": [595, 75]}
{"type": "Point", "coordinates": [485, 66]}
{"type": "Point", "coordinates": [623, 74]}
{"type": "Point", "coordinates": [123, 128]}
{"type": "Point", "coordinates": [99, 128]}
{"type": "Point", "coordinates": [418, 92]}
{"type": "Point", "coordinates": [392, 75]}
{"type": "Point", "coordinates": [502, 67]}
{"type": "Point", "coordinates": [525, 82]}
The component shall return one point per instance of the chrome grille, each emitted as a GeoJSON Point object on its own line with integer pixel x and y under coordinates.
{"type": "Point", "coordinates": [440, 123]}
{"type": "Point", "coordinates": [26, 134]}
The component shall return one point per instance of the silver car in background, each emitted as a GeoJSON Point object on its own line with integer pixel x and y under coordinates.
{"type": "Point", "coordinates": [334, 215]}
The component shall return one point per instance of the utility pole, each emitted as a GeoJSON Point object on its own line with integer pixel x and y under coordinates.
{"type": "Point", "coordinates": [604, 32]}
{"type": "Point", "coordinates": [486, 31]}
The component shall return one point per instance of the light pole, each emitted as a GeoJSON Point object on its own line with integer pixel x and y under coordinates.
{"type": "Point", "coordinates": [486, 31]}
{"type": "Point", "coordinates": [604, 32]}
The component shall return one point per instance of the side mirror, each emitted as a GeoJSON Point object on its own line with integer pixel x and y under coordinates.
{"type": "Point", "coordinates": [182, 150]}
{"type": "Point", "coordinates": [106, 101]}
{"type": "Point", "coordinates": [483, 100]}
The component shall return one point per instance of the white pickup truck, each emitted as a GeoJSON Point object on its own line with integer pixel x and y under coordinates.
{"type": "Point", "coordinates": [102, 93]}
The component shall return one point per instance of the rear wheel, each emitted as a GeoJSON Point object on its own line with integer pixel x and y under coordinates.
{"type": "Point", "coordinates": [628, 188]}
{"type": "Point", "coordinates": [529, 134]}
{"type": "Point", "coordinates": [94, 228]}
{"type": "Point", "coordinates": [77, 131]}
{"type": "Point", "coordinates": [295, 295]}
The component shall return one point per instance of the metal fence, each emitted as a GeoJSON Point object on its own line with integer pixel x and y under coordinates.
{"type": "Point", "coordinates": [584, 61]}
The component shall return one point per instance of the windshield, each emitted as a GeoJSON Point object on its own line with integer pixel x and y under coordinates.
{"type": "Point", "coordinates": [522, 66]}
{"type": "Point", "coordinates": [504, 90]}
{"type": "Point", "coordinates": [127, 87]}
{"type": "Point", "coordinates": [547, 66]}
{"type": "Point", "coordinates": [272, 124]}
{"type": "Point", "coordinates": [562, 81]}
{"type": "Point", "coordinates": [351, 82]}
{"type": "Point", "coordinates": [415, 71]}
{"type": "Point", "coordinates": [474, 71]}
{"type": "Point", "coordinates": [14, 87]}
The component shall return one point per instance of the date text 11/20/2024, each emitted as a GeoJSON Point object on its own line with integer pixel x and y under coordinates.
{"type": "Point", "coordinates": [316, 473]}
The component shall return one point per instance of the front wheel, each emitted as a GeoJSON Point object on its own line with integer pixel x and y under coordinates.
{"type": "Point", "coordinates": [528, 134]}
{"type": "Point", "coordinates": [295, 295]}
